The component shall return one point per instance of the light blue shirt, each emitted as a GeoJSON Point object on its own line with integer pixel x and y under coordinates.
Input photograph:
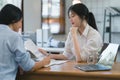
{"type": "Point", "coordinates": [12, 54]}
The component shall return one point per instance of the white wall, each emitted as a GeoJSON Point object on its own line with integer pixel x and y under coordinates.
{"type": "Point", "coordinates": [32, 15]}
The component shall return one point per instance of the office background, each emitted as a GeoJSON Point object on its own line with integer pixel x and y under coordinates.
{"type": "Point", "coordinates": [32, 17]}
{"type": "Point", "coordinates": [32, 13]}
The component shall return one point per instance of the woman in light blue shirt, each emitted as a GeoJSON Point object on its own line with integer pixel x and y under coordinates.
{"type": "Point", "coordinates": [12, 51]}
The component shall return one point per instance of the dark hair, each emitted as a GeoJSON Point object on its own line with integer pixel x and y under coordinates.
{"type": "Point", "coordinates": [10, 14]}
{"type": "Point", "coordinates": [91, 21]}
{"type": "Point", "coordinates": [82, 11]}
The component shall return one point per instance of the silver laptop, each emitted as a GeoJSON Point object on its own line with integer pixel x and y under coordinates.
{"type": "Point", "coordinates": [105, 62]}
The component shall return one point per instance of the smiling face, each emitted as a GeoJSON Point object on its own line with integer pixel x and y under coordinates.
{"type": "Point", "coordinates": [75, 19]}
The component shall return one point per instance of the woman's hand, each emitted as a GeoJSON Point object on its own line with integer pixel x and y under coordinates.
{"type": "Point", "coordinates": [41, 63]}
{"type": "Point", "coordinates": [46, 60]}
{"type": "Point", "coordinates": [43, 52]}
{"type": "Point", "coordinates": [74, 30]}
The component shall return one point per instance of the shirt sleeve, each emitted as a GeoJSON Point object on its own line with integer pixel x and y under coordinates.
{"type": "Point", "coordinates": [21, 56]}
{"type": "Point", "coordinates": [68, 52]}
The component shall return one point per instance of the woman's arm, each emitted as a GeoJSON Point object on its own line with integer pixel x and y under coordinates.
{"type": "Point", "coordinates": [53, 56]}
{"type": "Point", "coordinates": [57, 56]}
{"type": "Point", "coordinates": [75, 44]}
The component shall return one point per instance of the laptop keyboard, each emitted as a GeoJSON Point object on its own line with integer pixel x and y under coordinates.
{"type": "Point", "coordinates": [92, 67]}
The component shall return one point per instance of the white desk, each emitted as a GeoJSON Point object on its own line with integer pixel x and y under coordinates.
{"type": "Point", "coordinates": [54, 49]}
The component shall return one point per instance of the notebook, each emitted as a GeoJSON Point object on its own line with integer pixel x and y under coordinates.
{"type": "Point", "coordinates": [105, 62]}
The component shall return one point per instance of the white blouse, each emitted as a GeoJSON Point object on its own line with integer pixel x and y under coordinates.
{"type": "Point", "coordinates": [90, 42]}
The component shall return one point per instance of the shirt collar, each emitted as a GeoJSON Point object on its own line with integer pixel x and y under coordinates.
{"type": "Point", "coordinates": [2, 26]}
{"type": "Point", "coordinates": [85, 32]}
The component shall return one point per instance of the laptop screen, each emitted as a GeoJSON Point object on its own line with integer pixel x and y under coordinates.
{"type": "Point", "coordinates": [108, 55]}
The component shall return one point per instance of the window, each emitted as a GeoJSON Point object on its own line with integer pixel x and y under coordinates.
{"type": "Point", "coordinates": [15, 2]}
{"type": "Point", "coordinates": [53, 16]}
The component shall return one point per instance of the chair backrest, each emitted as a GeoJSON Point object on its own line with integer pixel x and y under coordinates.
{"type": "Point", "coordinates": [104, 47]}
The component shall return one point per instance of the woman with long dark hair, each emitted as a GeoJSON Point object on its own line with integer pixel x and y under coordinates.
{"type": "Point", "coordinates": [83, 39]}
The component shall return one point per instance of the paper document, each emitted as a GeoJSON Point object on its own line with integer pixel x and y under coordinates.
{"type": "Point", "coordinates": [55, 62]}
{"type": "Point", "coordinates": [30, 46]}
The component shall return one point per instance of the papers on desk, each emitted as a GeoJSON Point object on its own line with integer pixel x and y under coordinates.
{"type": "Point", "coordinates": [52, 61]}
{"type": "Point", "coordinates": [29, 45]}
{"type": "Point", "coordinates": [55, 62]}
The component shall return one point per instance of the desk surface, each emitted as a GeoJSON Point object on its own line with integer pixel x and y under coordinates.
{"type": "Point", "coordinates": [67, 71]}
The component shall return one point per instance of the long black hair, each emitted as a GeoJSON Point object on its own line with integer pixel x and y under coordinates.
{"type": "Point", "coordinates": [10, 14]}
{"type": "Point", "coordinates": [82, 11]}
